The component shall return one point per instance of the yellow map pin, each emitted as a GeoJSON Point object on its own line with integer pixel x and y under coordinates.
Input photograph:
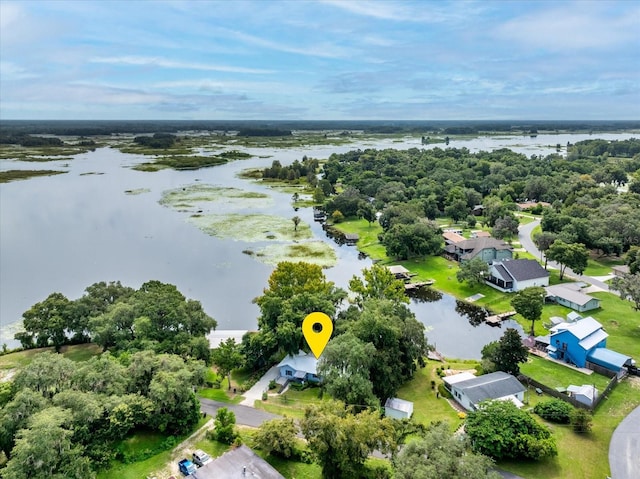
{"type": "Point", "coordinates": [317, 328]}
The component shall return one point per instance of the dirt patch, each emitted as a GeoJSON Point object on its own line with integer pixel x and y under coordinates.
{"type": "Point", "coordinates": [7, 374]}
{"type": "Point", "coordinates": [634, 381]}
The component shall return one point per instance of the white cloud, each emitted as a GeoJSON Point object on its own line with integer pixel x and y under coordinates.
{"type": "Point", "coordinates": [10, 71]}
{"type": "Point", "coordinates": [165, 63]}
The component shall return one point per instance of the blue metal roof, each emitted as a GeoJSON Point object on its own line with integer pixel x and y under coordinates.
{"type": "Point", "coordinates": [607, 358]}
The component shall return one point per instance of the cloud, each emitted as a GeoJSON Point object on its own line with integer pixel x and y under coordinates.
{"type": "Point", "coordinates": [165, 63]}
{"type": "Point", "coordinates": [10, 71]}
{"type": "Point", "coordinates": [421, 12]}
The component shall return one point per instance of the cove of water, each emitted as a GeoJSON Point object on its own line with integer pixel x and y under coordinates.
{"type": "Point", "coordinates": [65, 232]}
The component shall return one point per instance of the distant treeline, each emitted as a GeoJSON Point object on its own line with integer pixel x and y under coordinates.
{"type": "Point", "coordinates": [592, 148]}
{"type": "Point", "coordinates": [108, 127]}
{"type": "Point", "coordinates": [28, 140]}
{"type": "Point", "coordinates": [264, 132]}
{"type": "Point", "coordinates": [158, 140]}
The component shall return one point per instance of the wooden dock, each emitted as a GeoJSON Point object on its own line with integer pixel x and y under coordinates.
{"type": "Point", "coordinates": [496, 319]}
{"type": "Point", "coordinates": [420, 284]}
{"type": "Point", "coordinates": [435, 355]}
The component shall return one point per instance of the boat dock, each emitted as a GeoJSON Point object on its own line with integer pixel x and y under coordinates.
{"type": "Point", "coordinates": [420, 284]}
{"type": "Point", "coordinates": [496, 319]}
{"type": "Point", "coordinates": [435, 355]}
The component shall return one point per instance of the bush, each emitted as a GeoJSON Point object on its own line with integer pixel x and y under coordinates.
{"type": "Point", "coordinates": [581, 420]}
{"type": "Point", "coordinates": [264, 396]}
{"type": "Point", "coordinates": [443, 391]}
{"type": "Point", "coordinates": [377, 470]}
{"type": "Point", "coordinates": [273, 384]}
{"type": "Point", "coordinates": [554, 410]}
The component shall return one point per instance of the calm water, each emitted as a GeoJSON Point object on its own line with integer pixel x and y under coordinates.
{"type": "Point", "coordinates": [65, 232]}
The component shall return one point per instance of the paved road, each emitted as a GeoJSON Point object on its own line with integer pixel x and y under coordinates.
{"type": "Point", "coordinates": [245, 415]}
{"type": "Point", "coordinates": [624, 448]}
{"type": "Point", "coordinates": [524, 236]}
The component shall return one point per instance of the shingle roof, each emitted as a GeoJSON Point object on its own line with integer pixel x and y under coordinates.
{"type": "Point", "coordinates": [399, 405]}
{"type": "Point", "coordinates": [524, 269]}
{"type": "Point", "coordinates": [301, 362]}
{"type": "Point", "coordinates": [479, 244]}
{"type": "Point", "coordinates": [232, 464]}
{"type": "Point", "coordinates": [490, 386]}
{"type": "Point", "coordinates": [453, 237]}
{"type": "Point", "coordinates": [570, 295]}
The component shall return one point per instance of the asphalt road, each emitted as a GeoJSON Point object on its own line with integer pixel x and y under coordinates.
{"type": "Point", "coordinates": [245, 415]}
{"type": "Point", "coordinates": [624, 448]}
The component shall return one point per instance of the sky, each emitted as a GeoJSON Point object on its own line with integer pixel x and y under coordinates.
{"type": "Point", "coordinates": [320, 60]}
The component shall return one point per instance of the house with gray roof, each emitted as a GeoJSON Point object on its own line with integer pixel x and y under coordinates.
{"type": "Point", "coordinates": [494, 386]}
{"type": "Point", "coordinates": [488, 249]}
{"type": "Point", "coordinates": [238, 463]}
{"type": "Point", "coordinates": [570, 296]}
{"type": "Point", "coordinates": [511, 275]}
{"type": "Point", "coordinates": [300, 368]}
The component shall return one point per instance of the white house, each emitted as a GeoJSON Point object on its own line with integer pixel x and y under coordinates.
{"type": "Point", "coordinates": [301, 367]}
{"type": "Point", "coordinates": [499, 385]}
{"type": "Point", "coordinates": [510, 275]}
{"type": "Point", "coordinates": [398, 408]}
{"type": "Point", "coordinates": [585, 394]}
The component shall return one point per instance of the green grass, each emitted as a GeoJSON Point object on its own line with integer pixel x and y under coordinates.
{"type": "Point", "coordinates": [555, 375]}
{"type": "Point", "coordinates": [601, 266]}
{"type": "Point", "coordinates": [13, 175]}
{"type": "Point", "coordinates": [77, 352]}
{"type": "Point", "coordinates": [368, 242]}
{"type": "Point", "coordinates": [583, 456]}
{"type": "Point", "coordinates": [292, 403]}
{"type": "Point", "coordinates": [221, 394]}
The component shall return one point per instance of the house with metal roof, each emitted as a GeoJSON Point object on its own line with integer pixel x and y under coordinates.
{"type": "Point", "coordinates": [569, 295]}
{"type": "Point", "coordinates": [510, 275]}
{"type": "Point", "coordinates": [240, 462]}
{"type": "Point", "coordinates": [398, 408]}
{"type": "Point", "coordinates": [494, 386]}
{"type": "Point", "coordinates": [301, 368]}
{"type": "Point", "coordinates": [586, 394]}
{"type": "Point", "coordinates": [573, 342]}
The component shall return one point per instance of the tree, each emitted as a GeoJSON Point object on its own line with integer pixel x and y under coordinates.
{"type": "Point", "coordinates": [507, 353]}
{"type": "Point", "coordinates": [417, 239]}
{"type": "Point", "coordinates": [632, 259]}
{"type": "Point", "coordinates": [554, 410]}
{"type": "Point", "coordinates": [629, 287]}
{"type": "Point", "coordinates": [345, 370]}
{"type": "Point", "coordinates": [379, 283]}
{"type": "Point", "coordinates": [528, 303]}
{"type": "Point", "coordinates": [581, 420]}
{"type": "Point", "coordinates": [441, 455]}
{"type": "Point", "coordinates": [48, 374]}
{"type": "Point", "coordinates": [337, 216]}
{"type": "Point", "coordinates": [296, 221]}
{"type": "Point", "coordinates": [543, 241]}
{"type": "Point", "coordinates": [367, 212]}
{"type": "Point", "coordinates": [572, 255]}
{"type": "Point", "coordinates": [473, 271]}
{"type": "Point", "coordinates": [225, 422]}
{"type": "Point", "coordinates": [342, 441]}
{"type": "Point", "coordinates": [277, 436]}
{"type": "Point", "coordinates": [506, 227]}
{"type": "Point", "coordinates": [295, 197]}
{"type": "Point", "coordinates": [500, 430]}
{"type": "Point", "coordinates": [46, 322]}
{"type": "Point", "coordinates": [15, 414]}
{"type": "Point", "coordinates": [227, 357]}
{"type": "Point", "coordinates": [45, 450]}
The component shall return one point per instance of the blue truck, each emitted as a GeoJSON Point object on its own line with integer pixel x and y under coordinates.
{"type": "Point", "coordinates": [186, 467]}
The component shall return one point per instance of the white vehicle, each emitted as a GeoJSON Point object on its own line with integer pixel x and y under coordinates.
{"type": "Point", "coordinates": [201, 458]}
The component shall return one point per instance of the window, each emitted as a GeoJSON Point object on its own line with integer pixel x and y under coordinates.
{"type": "Point", "coordinates": [289, 373]}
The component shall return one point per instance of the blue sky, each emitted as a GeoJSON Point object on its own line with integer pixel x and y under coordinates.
{"type": "Point", "coordinates": [332, 59]}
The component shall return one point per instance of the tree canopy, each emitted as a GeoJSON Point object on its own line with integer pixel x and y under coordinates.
{"type": "Point", "coordinates": [528, 303]}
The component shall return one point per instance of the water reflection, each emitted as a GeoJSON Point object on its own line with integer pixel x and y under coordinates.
{"type": "Point", "coordinates": [425, 295]}
{"type": "Point", "coordinates": [475, 314]}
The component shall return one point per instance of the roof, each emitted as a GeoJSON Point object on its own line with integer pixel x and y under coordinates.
{"type": "Point", "coordinates": [479, 244]}
{"type": "Point", "coordinates": [502, 272]}
{"type": "Point", "coordinates": [593, 339]}
{"type": "Point", "coordinates": [543, 339]}
{"type": "Point", "coordinates": [523, 269]}
{"type": "Point", "coordinates": [456, 378]}
{"type": "Point", "coordinates": [576, 297]}
{"type": "Point", "coordinates": [573, 317]}
{"type": "Point", "coordinates": [453, 237]}
{"type": "Point", "coordinates": [623, 268]}
{"type": "Point", "coordinates": [585, 390]}
{"type": "Point", "coordinates": [483, 234]}
{"type": "Point", "coordinates": [555, 320]}
{"type": "Point", "coordinates": [232, 464]}
{"type": "Point", "coordinates": [399, 405]}
{"type": "Point", "coordinates": [351, 236]}
{"type": "Point", "coordinates": [490, 386]}
{"type": "Point", "coordinates": [301, 362]}
{"type": "Point", "coordinates": [585, 327]}
{"type": "Point", "coordinates": [606, 357]}
{"type": "Point", "coordinates": [398, 269]}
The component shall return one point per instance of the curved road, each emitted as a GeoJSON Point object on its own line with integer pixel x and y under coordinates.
{"type": "Point", "coordinates": [524, 236]}
{"type": "Point", "coordinates": [624, 449]}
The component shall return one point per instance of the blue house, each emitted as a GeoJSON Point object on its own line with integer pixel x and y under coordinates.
{"type": "Point", "coordinates": [301, 368]}
{"type": "Point", "coordinates": [574, 342]}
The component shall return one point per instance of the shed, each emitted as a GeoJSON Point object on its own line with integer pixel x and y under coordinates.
{"type": "Point", "coordinates": [585, 394]}
{"type": "Point", "coordinates": [398, 408]}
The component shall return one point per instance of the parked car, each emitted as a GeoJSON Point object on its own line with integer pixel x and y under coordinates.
{"type": "Point", "coordinates": [186, 467]}
{"type": "Point", "coordinates": [201, 458]}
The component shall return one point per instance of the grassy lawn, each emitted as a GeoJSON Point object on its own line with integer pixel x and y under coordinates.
{"type": "Point", "coordinates": [220, 394]}
{"type": "Point", "coordinates": [583, 456]}
{"type": "Point", "coordinates": [77, 352]}
{"type": "Point", "coordinates": [292, 403]}
{"type": "Point", "coordinates": [427, 407]}
{"type": "Point", "coordinates": [555, 375]}
{"type": "Point", "coordinates": [368, 242]}
{"type": "Point", "coordinates": [621, 321]}
{"type": "Point", "coordinates": [601, 266]}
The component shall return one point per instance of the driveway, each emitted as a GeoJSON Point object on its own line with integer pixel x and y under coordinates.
{"type": "Point", "coordinates": [524, 236]}
{"type": "Point", "coordinates": [245, 415]}
{"type": "Point", "coordinates": [255, 393]}
{"type": "Point", "coordinates": [624, 448]}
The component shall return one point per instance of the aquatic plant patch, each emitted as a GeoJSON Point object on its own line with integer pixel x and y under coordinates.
{"type": "Point", "coordinates": [197, 197]}
{"type": "Point", "coordinates": [12, 175]}
{"type": "Point", "coordinates": [251, 228]}
{"type": "Point", "coordinates": [316, 252]}
{"type": "Point", "coordinates": [137, 191]}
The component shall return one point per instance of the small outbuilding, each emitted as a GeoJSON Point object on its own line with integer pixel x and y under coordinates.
{"type": "Point", "coordinates": [399, 271]}
{"type": "Point", "coordinates": [608, 359]}
{"type": "Point", "coordinates": [398, 408]}
{"type": "Point", "coordinates": [586, 394]}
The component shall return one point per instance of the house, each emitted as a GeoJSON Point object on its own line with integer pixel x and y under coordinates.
{"type": "Point", "coordinates": [452, 238]}
{"type": "Point", "coordinates": [400, 272]}
{"type": "Point", "coordinates": [499, 386]}
{"type": "Point", "coordinates": [621, 270]}
{"type": "Point", "coordinates": [512, 275]}
{"type": "Point", "coordinates": [480, 234]}
{"type": "Point", "coordinates": [570, 296]}
{"type": "Point", "coordinates": [238, 463]}
{"type": "Point", "coordinates": [573, 342]}
{"type": "Point", "coordinates": [488, 249]}
{"type": "Point", "coordinates": [585, 394]}
{"type": "Point", "coordinates": [478, 210]}
{"type": "Point", "coordinates": [398, 408]}
{"type": "Point", "coordinates": [301, 368]}
{"type": "Point", "coordinates": [532, 204]}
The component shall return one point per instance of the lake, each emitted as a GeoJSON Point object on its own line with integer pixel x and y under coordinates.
{"type": "Point", "coordinates": [65, 232]}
